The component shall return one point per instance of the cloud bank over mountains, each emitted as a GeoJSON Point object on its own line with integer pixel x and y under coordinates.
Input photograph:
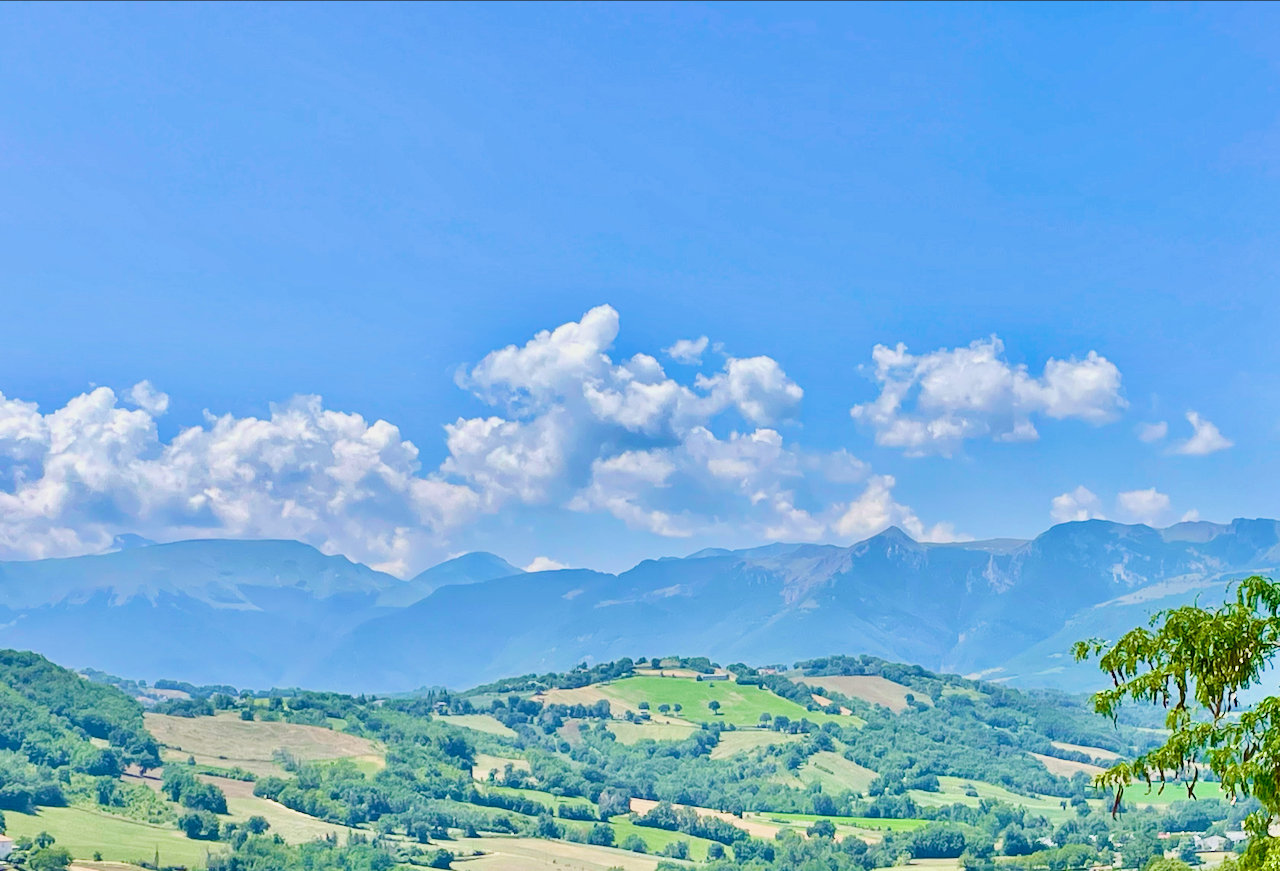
{"type": "Point", "coordinates": [569, 425]}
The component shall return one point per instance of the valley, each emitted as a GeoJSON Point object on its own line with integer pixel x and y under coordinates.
{"type": "Point", "coordinates": [649, 764]}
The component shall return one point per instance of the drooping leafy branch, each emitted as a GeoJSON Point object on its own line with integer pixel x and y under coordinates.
{"type": "Point", "coordinates": [1196, 662]}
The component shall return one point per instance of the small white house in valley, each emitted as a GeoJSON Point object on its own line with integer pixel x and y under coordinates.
{"type": "Point", "coordinates": [6, 847]}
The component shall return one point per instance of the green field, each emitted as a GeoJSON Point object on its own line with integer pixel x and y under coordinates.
{"type": "Point", "coordinates": [871, 823]}
{"type": "Point", "coordinates": [658, 838]}
{"type": "Point", "coordinates": [953, 790]}
{"type": "Point", "coordinates": [479, 723]}
{"type": "Point", "coordinates": [745, 740]}
{"type": "Point", "coordinates": [84, 831]}
{"type": "Point", "coordinates": [630, 733]}
{"type": "Point", "coordinates": [1138, 795]}
{"type": "Point", "coordinates": [546, 798]}
{"type": "Point", "coordinates": [835, 773]}
{"type": "Point", "coordinates": [739, 705]}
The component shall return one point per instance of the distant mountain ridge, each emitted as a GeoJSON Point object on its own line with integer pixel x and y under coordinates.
{"type": "Point", "coordinates": [255, 613]}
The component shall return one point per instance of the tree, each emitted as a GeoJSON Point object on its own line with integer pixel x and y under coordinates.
{"type": "Point", "coordinates": [44, 840]}
{"type": "Point", "coordinates": [49, 859]}
{"type": "Point", "coordinates": [664, 708]}
{"type": "Point", "coordinates": [440, 859]}
{"type": "Point", "coordinates": [635, 844]}
{"type": "Point", "coordinates": [1015, 843]}
{"type": "Point", "coordinates": [1195, 662]}
{"type": "Point", "coordinates": [822, 829]}
{"type": "Point", "coordinates": [714, 706]}
{"type": "Point", "coordinates": [937, 841]}
{"type": "Point", "coordinates": [601, 835]}
{"type": "Point", "coordinates": [257, 825]}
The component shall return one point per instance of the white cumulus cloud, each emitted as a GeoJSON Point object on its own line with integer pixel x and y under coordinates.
{"type": "Point", "coordinates": [84, 473]}
{"type": "Point", "coordinates": [1148, 506]}
{"type": "Point", "coordinates": [1205, 438]}
{"type": "Point", "coordinates": [688, 351]}
{"type": "Point", "coordinates": [567, 425]}
{"type": "Point", "coordinates": [931, 403]}
{"type": "Point", "coordinates": [145, 396]}
{"type": "Point", "coordinates": [1079, 504]}
{"type": "Point", "coordinates": [544, 564]}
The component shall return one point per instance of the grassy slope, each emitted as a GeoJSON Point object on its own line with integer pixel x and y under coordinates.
{"type": "Point", "coordinates": [480, 723]}
{"type": "Point", "coordinates": [83, 831]}
{"type": "Point", "coordinates": [740, 705]}
{"type": "Point", "coordinates": [869, 823]}
{"type": "Point", "coordinates": [745, 740]}
{"type": "Point", "coordinates": [630, 733]}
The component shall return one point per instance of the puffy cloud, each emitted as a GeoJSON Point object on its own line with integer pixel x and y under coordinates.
{"type": "Point", "coordinates": [688, 351]}
{"type": "Point", "coordinates": [1079, 504]}
{"type": "Point", "coordinates": [1152, 432]}
{"type": "Point", "coordinates": [567, 426]}
{"type": "Point", "coordinates": [152, 401]}
{"type": "Point", "coordinates": [875, 510]}
{"type": "Point", "coordinates": [623, 437]}
{"type": "Point", "coordinates": [544, 564]}
{"type": "Point", "coordinates": [1143, 506]}
{"type": "Point", "coordinates": [1205, 438]}
{"type": "Point", "coordinates": [931, 403]}
{"type": "Point", "coordinates": [1191, 516]}
{"type": "Point", "coordinates": [86, 472]}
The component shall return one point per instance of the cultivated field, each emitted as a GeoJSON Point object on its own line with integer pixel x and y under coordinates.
{"type": "Point", "coordinates": [740, 705]}
{"type": "Point", "coordinates": [84, 831]}
{"type": "Point", "coordinates": [954, 789]}
{"type": "Point", "coordinates": [870, 688]}
{"type": "Point", "coordinates": [835, 773]}
{"type": "Point", "coordinates": [226, 741]}
{"type": "Point", "coordinates": [485, 763]}
{"type": "Point", "coordinates": [480, 723]}
{"type": "Point", "coordinates": [1097, 753]}
{"type": "Point", "coordinates": [749, 825]}
{"type": "Point", "coordinates": [631, 733]}
{"type": "Point", "coordinates": [860, 824]}
{"type": "Point", "coordinates": [530, 854]}
{"type": "Point", "coordinates": [745, 740]}
{"type": "Point", "coordinates": [1066, 767]}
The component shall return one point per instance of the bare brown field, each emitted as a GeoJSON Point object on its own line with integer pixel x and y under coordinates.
{"type": "Point", "coordinates": [227, 742]}
{"type": "Point", "coordinates": [768, 831]}
{"type": "Point", "coordinates": [485, 763]}
{"type": "Point", "coordinates": [534, 854]}
{"type": "Point", "coordinates": [870, 688]}
{"type": "Point", "coordinates": [826, 703]}
{"type": "Point", "coordinates": [588, 695]}
{"type": "Point", "coordinates": [1097, 753]}
{"type": "Point", "coordinates": [1065, 767]}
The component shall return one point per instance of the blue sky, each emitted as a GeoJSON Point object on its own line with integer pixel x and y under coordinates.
{"type": "Point", "coordinates": [245, 204]}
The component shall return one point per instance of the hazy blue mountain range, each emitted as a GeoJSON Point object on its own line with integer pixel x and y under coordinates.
{"type": "Point", "coordinates": [263, 613]}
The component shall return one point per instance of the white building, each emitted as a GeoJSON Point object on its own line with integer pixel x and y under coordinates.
{"type": "Point", "coordinates": [6, 847]}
